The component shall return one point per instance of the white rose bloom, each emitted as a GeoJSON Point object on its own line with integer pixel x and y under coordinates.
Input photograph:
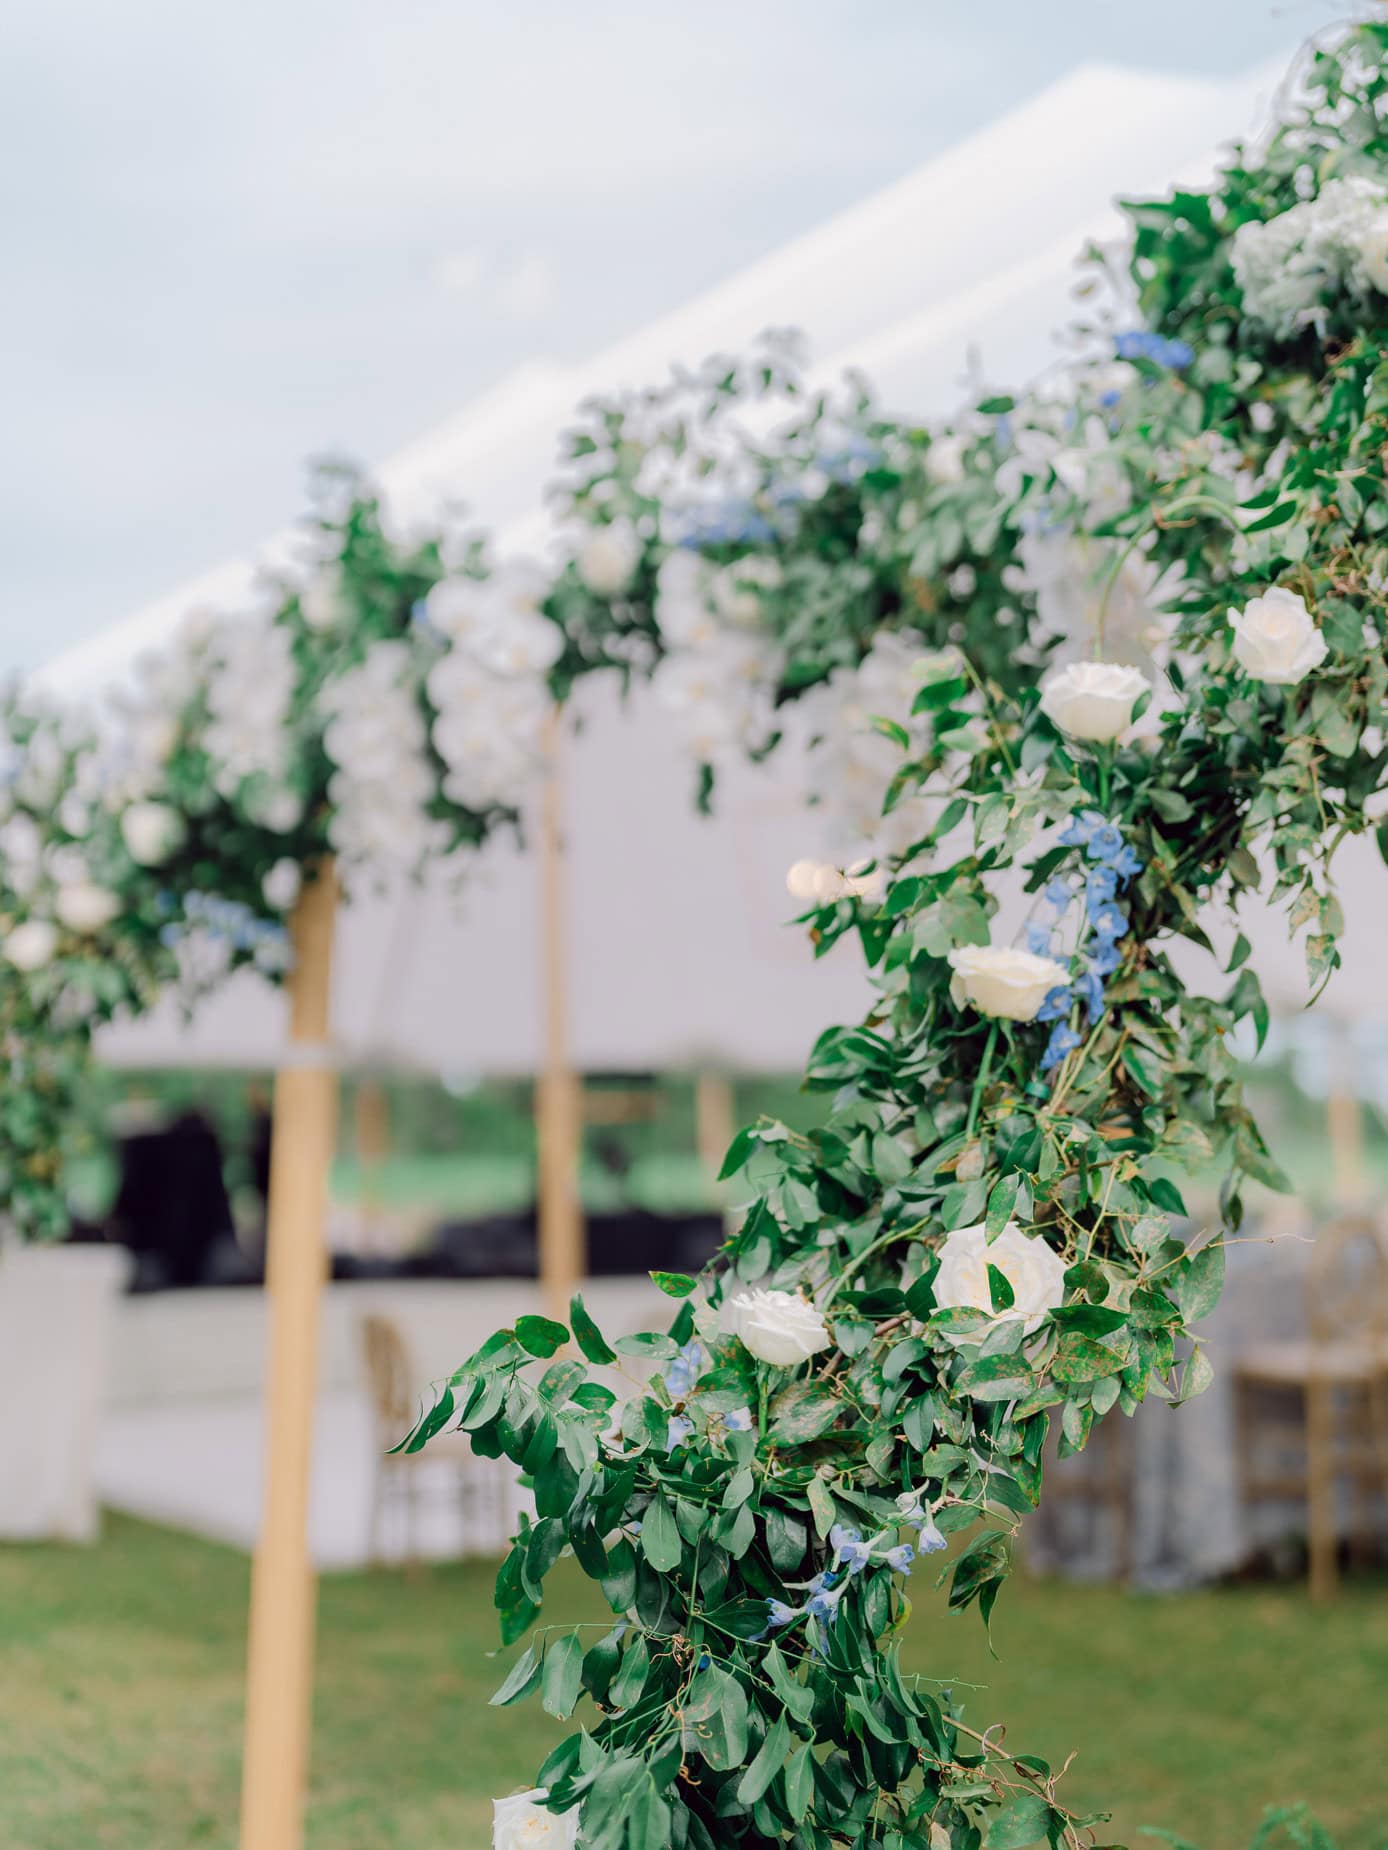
{"type": "Point", "coordinates": [1034, 1270]}
{"type": "Point", "coordinates": [1373, 253]}
{"type": "Point", "coordinates": [152, 832]}
{"type": "Point", "coordinates": [85, 907]}
{"type": "Point", "coordinates": [778, 1327]}
{"type": "Point", "coordinates": [736, 590]}
{"type": "Point", "coordinates": [514, 637]}
{"type": "Point", "coordinates": [1093, 700]}
{"type": "Point", "coordinates": [684, 611]}
{"type": "Point", "coordinates": [608, 557]}
{"type": "Point", "coordinates": [281, 885]}
{"type": "Point", "coordinates": [944, 460]}
{"type": "Point", "coordinates": [522, 1823]}
{"type": "Point", "coordinates": [30, 945]}
{"type": "Point", "coordinates": [1007, 984]}
{"type": "Point", "coordinates": [802, 879]}
{"type": "Point", "coordinates": [1275, 638]}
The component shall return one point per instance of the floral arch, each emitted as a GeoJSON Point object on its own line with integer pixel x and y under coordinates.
{"type": "Point", "coordinates": [983, 1238]}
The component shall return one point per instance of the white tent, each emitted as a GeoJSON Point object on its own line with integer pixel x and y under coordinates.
{"type": "Point", "coordinates": [676, 947]}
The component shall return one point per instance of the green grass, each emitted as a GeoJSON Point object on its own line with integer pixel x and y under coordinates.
{"type": "Point", "coordinates": [120, 1701]}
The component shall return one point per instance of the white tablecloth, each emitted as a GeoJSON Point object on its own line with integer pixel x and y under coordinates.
{"type": "Point", "coordinates": [57, 1310]}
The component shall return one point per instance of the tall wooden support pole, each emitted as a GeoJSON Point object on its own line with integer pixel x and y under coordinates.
{"type": "Point", "coordinates": [559, 1115]}
{"type": "Point", "coordinates": [279, 1677]}
{"type": "Point", "coordinates": [370, 1146]}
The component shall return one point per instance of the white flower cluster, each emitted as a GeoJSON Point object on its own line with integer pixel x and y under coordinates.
{"type": "Point", "coordinates": [1288, 268]}
{"type": "Point", "coordinates": [852, 763]}
{"type": "Point", "coordinates": [374, 733]}
{"type": "Point", "coordinates": [489, 691]}
{"type": "Point", "coordinates": [250, 678]}
{"type": "Point", "coordinates": [718, 676]}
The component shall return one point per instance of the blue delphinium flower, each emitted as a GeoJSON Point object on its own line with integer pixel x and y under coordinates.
{"type": "Point", "coordinates": [824, 1606]}
{"type": "Point", "coordinates": [899, 1559]}
{"type": "Point", "coordinates": [683, 1371]}
{"type": "Point", "coordinates": [930, 1539]}
{"type": "Point", "coordinates": [1157, 349]}
{"type": "Point", "coordinates": [1064, 1040]}
{"type": "Point", "coordinates": [1105, 841]}
{"type": "Point", "coordinates": [1126, 864]}
{"type": "Point", "coordinates": [677, 1431]}
{"type": "Point", "coordinates": [1038, 939]}
{"type": "Point", "coordinates": [738, 1419]}
{"type": "Point", "coordinates": [1077, 831]}
{"type": "Point", "coordinates": [1059, 893]}
{"type": "Point", "coordinates": [1056, 1004]}
{"type": "Point", "coordinates": [851, 1552]}
{"type": "Point", "coordinates": [780, 1614]}
{"type": "Point", "coordinates": [1110, 922]}
{"type": "Point", "coordinates": [1106, 958]}
{"type": "Point", "coordinates": [1089, 990]}
{"type": "Point", "coordinates": [1101, 884]}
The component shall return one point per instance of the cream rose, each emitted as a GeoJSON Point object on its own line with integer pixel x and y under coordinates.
{"type": "Point", "coordinates": [522, 1823]}
{"type": "Point", "coordinates": [608, 557]}
{"type": "Point", "coordinates": [281, 885]}
{"type": "Point", "coordinates": [1093, 700]}
{"type": "Point", "coordinates": [85, 907]}
{"type": "Point", "coordinates": [1275, 638]}
{"type": "Point", "coordinates": [1373, 252]}
{"type": "Point", "coordinates": [323, 600]}
{"type": "Point", "coordinates": [31, 945]}
{"type": "Point", "coordinates": [1035, 1272]}
{"type": "Point", "coordinates": [944, 460]}
{"type": "Point", "coordinates": [736, 590]}
{"type": "Point", "coordinates": [1004, 982]}
{"type": "Point", "coordinates": [152, 832]}
{"type": "Point", "coordinates": [822, 882]}
{"type": "Point", "coordinates": [778, 1327]}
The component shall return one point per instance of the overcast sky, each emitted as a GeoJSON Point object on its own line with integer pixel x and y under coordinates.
{"type": "Point", "coordinates": [237, 237]}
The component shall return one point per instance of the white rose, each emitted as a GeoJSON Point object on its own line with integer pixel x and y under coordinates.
{"type": "Point", "coordinates": [1373, 252]}
{"type": "Point", "coordinates": [85, 907]}
{"type": "Point", "coordinates": [608, 557]}
{"type": "Point", "coordinates": [1275, 638]}
{"type": "Point", "coordinates": [944, 460]}
{"type": "Point", "coordinates": [778, 1327]}
{"type": "Point", "coordinates": [802, 879]}
{"type": "Point", "coordinates": [736, 590]}
{"type": "Point", "coordinates": [1092, 700]}
{"type": "Point", "coordinates": [152, 832]}
{"type": "Point", "coordinates": [522, 1823]}
{"type": "Point", "coordinates": [281, 885]}
{"type": "Point", "coordinates": [1003, 982]}
{"type": "Point", "coordinates": [30, 945]}
{"type": "Point", "coordinates": [1035, 1272]}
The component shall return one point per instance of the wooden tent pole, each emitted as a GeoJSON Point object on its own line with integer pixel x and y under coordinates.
{"type": "Point", "coordinates": [279, 1676]}
{"type": "Point", "coordinates": [559, 1127]}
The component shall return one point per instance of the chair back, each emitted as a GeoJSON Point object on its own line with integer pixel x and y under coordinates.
{"type": "Point", "coordinates": [1347, 1280]}
{"type": "Point", "coordinates": [389, 1374]}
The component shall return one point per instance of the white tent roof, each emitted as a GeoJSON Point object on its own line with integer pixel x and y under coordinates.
{"type": "Point", "coordinates": [677, 952]}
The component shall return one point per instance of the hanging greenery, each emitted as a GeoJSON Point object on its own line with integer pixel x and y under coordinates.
{"type": "Point", "coordinates": [987, 1237]}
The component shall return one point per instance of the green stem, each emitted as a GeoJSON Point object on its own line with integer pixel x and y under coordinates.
{"type": "Point", "coordinates": [985, 1067]}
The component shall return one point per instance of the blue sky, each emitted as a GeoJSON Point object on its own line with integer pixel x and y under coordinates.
{"type": "Point", "coordinates": [239, 237]}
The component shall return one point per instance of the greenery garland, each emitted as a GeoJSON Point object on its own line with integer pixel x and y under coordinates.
{"type": "Point", "coordinates": [982, 1240]}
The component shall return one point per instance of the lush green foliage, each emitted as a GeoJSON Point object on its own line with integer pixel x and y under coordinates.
{"type": "Point", "coordinates": [745, 1516]}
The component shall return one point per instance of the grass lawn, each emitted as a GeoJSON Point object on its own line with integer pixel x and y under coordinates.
{"type": "Point", "coordinates": [120, 1701]}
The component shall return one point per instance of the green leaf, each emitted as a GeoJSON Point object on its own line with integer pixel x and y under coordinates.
{"type": "Point", "coordinates": [799, 1782]}
{"type": "Point", "coordinates": [562, 1678]}
{"type": "Point", "coordinates": [1199, 1281]}
{"type": "Point", "coordinates": [996, 1377]}
{"type": "Point", "coordinates": [1000, 1289]}
{"type": "Point", "coordinates": [540, 1335]}
{"type": "Point", "coordinates": [660, 1538]}
{"type": "Point", "coordinates": [1025, 1820]}
{"type": "Point", "coordinates": [675, 1284]}
{"type": "Point", "coordinates": [1001, 1201]}
{"type": "Point", "coordinates": [766, 1763]}
{"type": "Point", "coordinates": [803, 1411]}
{"type": "Point", "coordinates": [715, 1719]}
{"type": "Point", "coordinates": [525, 1674]}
